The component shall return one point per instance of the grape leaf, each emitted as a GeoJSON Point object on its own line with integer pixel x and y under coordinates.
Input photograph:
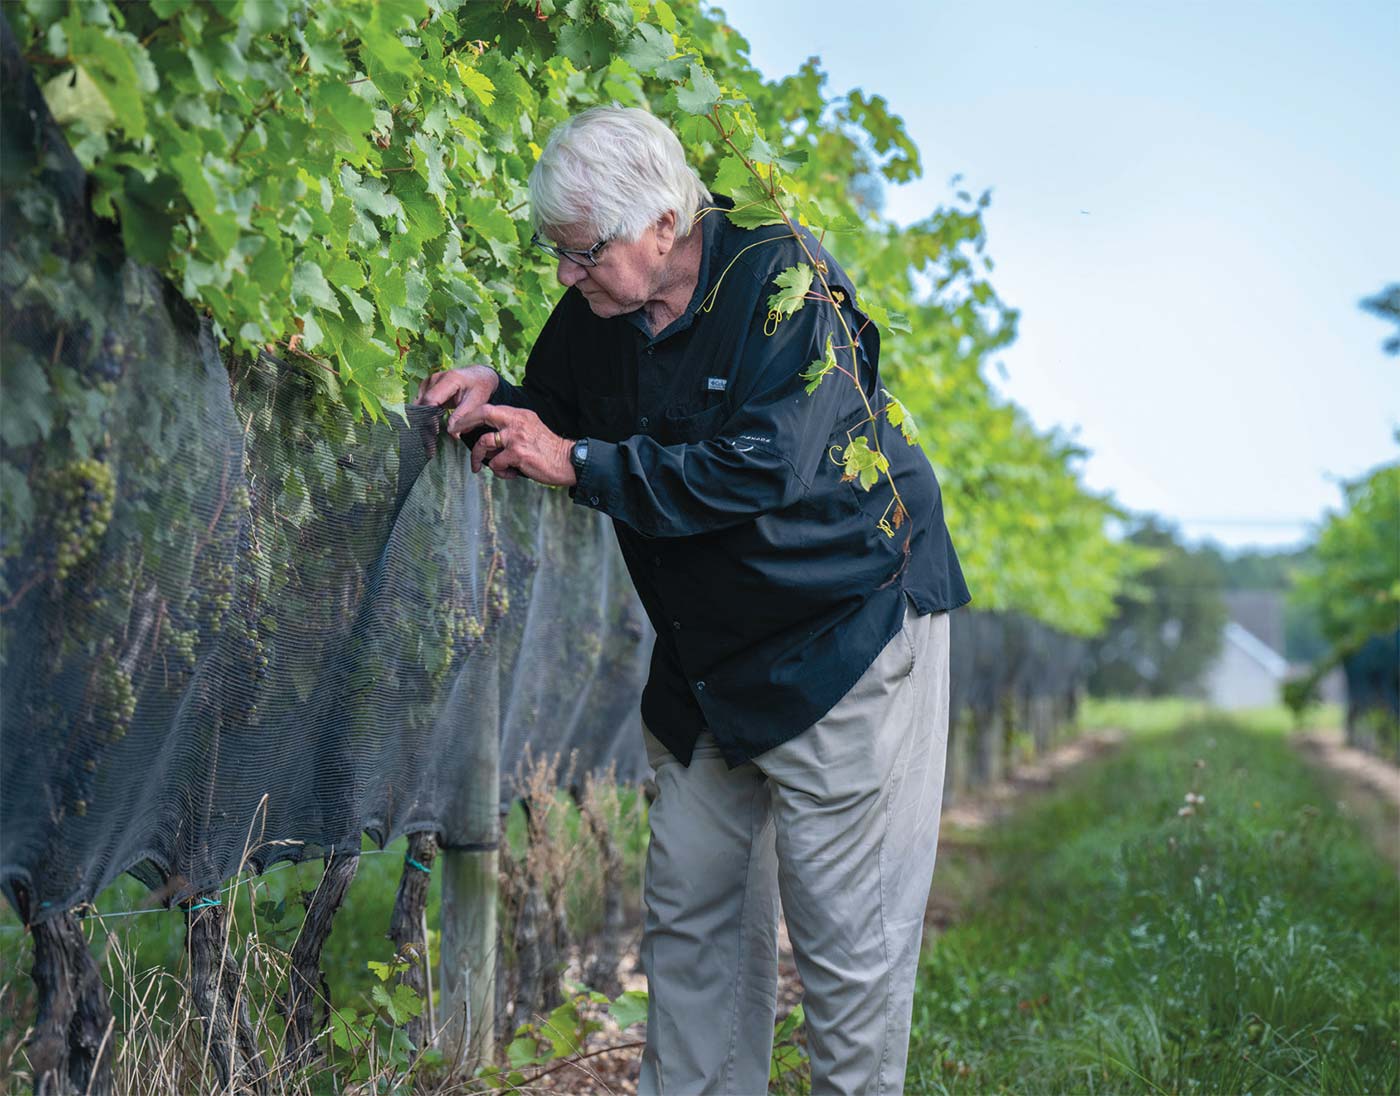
{"type": "Point", "coordinates": [478, 83]}
{"type": "Point", "coordinates": [793, 285]}
{"type": "Point", "coordinates": [883, 317]}
{"type": "Point", "coordinates": [630, 1008]}
{"type": "Point", "coordinates": [899, 416]}
{"type": "Point", "coordinates": [309, 284]}
{"type": "Point", "coordinates": [699, 94]}
{"type": "Point", "coordinates": [585, 44]}
{"type": "Point", "coordinates": [815, 372]}
{"type": "Point", "coordinates": [649, 49]}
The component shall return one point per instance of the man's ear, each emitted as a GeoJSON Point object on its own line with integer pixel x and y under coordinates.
{"type": "Point", "coordinates": [666, 232]}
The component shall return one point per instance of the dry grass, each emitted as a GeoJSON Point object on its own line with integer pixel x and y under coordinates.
{"type": "Point", "coordinates": [160, 1044]}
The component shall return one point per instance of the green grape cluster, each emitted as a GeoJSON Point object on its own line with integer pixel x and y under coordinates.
{"type": "Point", "coordinates": [249, 665]}
{"type": "Point", "coordinates": [114, 698]}
{"type": "Point", "coordinates": [460, 624]}
{"type": "Point", "coordinates": [211, 595]}
{"type": "Point", "coordinates": [83, 785]}
{"type": "Point", "coordinates": [180, 644]}
{"type": "Point", "coordinates": [499, 594]}
{"type": "Point", "coordinates": [455, 632]}
{"type": "Point", "coordinates": [81, 493]}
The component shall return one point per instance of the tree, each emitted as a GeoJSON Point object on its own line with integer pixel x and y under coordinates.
{"type": "Point", "coordinates": [1353, 585]}
{"type": "Point", "coordinates": [1386, 305]}
{"type": "Point", "coordinates": [1169, 621]}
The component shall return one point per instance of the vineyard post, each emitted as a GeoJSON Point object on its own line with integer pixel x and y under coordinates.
{"type": "Point", "coordinates": [467, 921]}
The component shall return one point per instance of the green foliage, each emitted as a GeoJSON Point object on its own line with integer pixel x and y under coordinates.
{"type": "Point", "coordinates": [563, 1036]}
{"type": "Point", "coordinates": [345, 182]}
{"type": "Point", "coordinates": [630, 1008]}
{"type": "Point", "coordinates": [863, 463]}
{"type": "Point", "coordinates": [1168, 625]}
{"type": "Point", "coordinates": [788, 1057]}
{"type": "Point", "coordinates": [899, 416]}
{"type": "Point", "coordinates": [794, 283]}
{"type": "Point", "coordinates": [1386, 305]}
{"type": "Point", "coordinates": [375, 1048]}
{"type": "Point", "coordinates": [815, 373]}
{"type": "Point", "coordinates": [1136, 939]}
{"type": "Point", "coordinates": [1353, 581]}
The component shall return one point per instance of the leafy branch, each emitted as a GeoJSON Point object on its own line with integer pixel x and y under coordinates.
{"type": "Point", "coordinates": [862, 458]}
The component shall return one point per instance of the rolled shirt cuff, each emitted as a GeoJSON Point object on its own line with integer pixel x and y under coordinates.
{"type": "Point", "coordinates": [599, 477]}
{"type": "Point", "coordinates": [508, 395]}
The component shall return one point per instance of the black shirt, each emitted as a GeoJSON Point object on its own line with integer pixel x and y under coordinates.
{"type": "Point", "coordinates": [760, 569]}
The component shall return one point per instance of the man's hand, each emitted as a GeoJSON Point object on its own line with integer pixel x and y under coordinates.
{"type": "Point", "coordinates": [467, 390]}
{"type": "Point", "coordinates": [517, 443]}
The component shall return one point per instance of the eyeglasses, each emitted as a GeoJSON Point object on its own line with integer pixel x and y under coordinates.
{"type": "Point", "coordinates": [573, 254]}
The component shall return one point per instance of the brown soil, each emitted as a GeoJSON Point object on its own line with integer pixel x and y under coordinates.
{"type": "Point", "coordinates": [1367, 786]}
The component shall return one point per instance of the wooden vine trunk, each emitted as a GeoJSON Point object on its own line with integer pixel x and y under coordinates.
{"type": "Point", "coordinates": [407, 928]}
{"type": "Point", "coordinates": [70, 1047]}
{"type": "Point", "coordinates": [602, 972]}
{"type": "Point", "coordinates": [216, 987]}
{"type": "Point", "coordinates": [307, 986]}
{"type": "Point", "coordinates": [529, 959]}
{"type": "Point", "coordinates": [555, 940]}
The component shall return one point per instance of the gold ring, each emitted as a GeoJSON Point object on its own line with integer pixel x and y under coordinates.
{"type": "Point", "coordinates": [499, 443]}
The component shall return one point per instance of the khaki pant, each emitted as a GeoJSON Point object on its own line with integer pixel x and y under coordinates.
{"type": "Point", "coordinates": [842, 822]}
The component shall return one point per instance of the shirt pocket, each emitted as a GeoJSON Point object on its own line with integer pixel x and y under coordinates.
{"type": "Point", "coordinates": [682, 426]}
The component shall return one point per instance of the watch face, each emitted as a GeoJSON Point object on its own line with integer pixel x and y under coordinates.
{"type": "Point", "coordinates": [580, 452]}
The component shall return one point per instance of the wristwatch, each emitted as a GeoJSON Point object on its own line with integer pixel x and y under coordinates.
{"type": "Point", "coordinates": [578, 455]}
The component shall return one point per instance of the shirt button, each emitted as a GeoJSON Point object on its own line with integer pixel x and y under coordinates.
{"type": "Point", "coordinates": [593, 499]}
{"type": "Point", "coordinates": [699, 686]}
{"type": "Point", "coordinates": [676, 625]}
{"type": "Point", "coordinates": [645, 422]}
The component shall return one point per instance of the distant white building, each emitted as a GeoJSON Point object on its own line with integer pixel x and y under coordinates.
{"type": "Point", "coordinates": [1247, 673]}
{"type": "Point", "coordinates": [1250, 669]}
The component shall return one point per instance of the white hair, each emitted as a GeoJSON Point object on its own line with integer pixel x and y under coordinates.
{"type": "Point", "coordinates": [614, 171]}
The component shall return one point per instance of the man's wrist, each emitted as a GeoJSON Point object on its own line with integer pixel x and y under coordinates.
{"type": "Point", "coordinates": [495, 379]}
{"type": "Point", "coordinates": [577, 452]}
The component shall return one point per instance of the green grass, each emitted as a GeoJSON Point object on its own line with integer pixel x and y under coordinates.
{"type": "Point", "coordinates": [1252, 946]}
{"type": "Point", "coordinates": [1163, 715]}
{"type": "Point", "coordinates": [1109, 944]}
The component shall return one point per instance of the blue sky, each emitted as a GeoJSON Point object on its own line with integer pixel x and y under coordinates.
{"type": "Point", "coordinates": [1240, 165]}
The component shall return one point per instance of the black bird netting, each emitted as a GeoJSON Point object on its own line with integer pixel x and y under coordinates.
{"type": "Point", "coordinates": [232, 617]}
{"type": "Point", "coordinates": [1373, 691]}
{"type": "Point", "coordinates": [239, 627]}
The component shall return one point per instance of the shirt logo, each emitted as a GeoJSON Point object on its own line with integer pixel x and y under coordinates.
{"type": "Point", "coordinates": [716, 384]}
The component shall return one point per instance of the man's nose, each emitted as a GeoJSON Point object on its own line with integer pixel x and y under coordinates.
{"type": "Point", "coordinates": [570, 272]}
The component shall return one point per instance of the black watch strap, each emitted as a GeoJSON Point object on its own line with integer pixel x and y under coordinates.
{"type": "Point", "coordinates": [578, 454]}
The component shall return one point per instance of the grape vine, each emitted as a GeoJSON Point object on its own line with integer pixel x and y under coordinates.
{"type": "Point", "coordinates": [345, 183]}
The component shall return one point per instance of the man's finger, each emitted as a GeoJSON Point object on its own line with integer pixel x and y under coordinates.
{"type": "Point", "coordinates": [468, 416]}
{"type": "Point", "coordinates": [499, 414]}
{"type": "Point", "coordinates": [484, 450]}
{"type": "Point", "coordinates": [426, 385]}
{"type": "Point", "coordinates": [505, 463]}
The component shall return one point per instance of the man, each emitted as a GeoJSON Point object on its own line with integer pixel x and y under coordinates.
{"type": "Point", "coordinates": [796, 709]}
